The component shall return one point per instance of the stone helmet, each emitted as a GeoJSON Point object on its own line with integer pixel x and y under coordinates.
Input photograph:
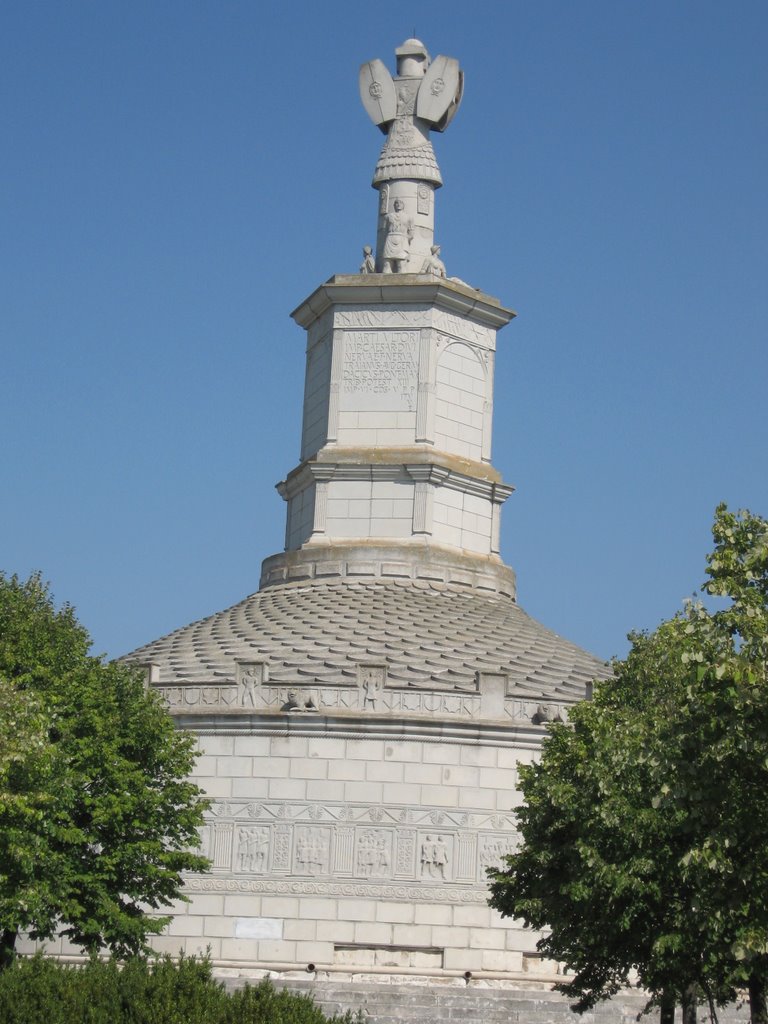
{"type": "Point", "coordinates": [412, 59]}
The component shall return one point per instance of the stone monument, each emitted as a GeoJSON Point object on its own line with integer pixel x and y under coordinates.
{"type": "Point", "coordinates": [361, 716]}
{"type": "Point", "coordinates": [423, 96]}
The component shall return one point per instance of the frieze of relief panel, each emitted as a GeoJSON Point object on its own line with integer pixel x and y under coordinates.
{"type": "Point", "coordinates": [415, 317]}
{"type": "Point", "coordinates": [374, 691]}
{"type": "Point", "coordinates": [384, 852]}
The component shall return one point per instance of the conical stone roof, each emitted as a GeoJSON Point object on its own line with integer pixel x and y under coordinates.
{"type": "Point", "coordinates": [430, 636]}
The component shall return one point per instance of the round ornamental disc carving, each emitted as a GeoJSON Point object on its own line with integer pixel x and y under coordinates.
{"type": "Point", "coordinates": [441, 88]}
{"type": "Point", "coordinates": [377, 92]}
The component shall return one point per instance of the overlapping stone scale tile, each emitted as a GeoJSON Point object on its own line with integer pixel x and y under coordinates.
{"type": "Point", "coordinates": [427, 634]}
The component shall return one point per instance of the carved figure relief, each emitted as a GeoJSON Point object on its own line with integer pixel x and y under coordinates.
{"type": "Point", "coordinates": [433, 265]}
{"type": "Point", "coordinates": [247, 689]}
{"type": "Point", "coordinates": [399, 235]}
{"type": "Point", "coordinates": [372, 679]}
{"type": "Point", "coordinates": [384, 316]}
{"type": "Point", "coordinates": [249, 677]}
{"type": "Point", "coordinates": [368, 266]}
{"type": "Point", "coordinates": [374, 859]}
{"type": "Point", "coordinates": [492, 851]}
{"type": "Point", "coordinates": [372, 843]}
{"type": "Point", "coordinates": [312, 851]}
{"type": "Point", "coordinates": [204, 849]}
{"type": "Point", "coordinates": [454, 701]}
{"type": "Point", "coordinates": [434, 857]}
{"type": "Point", "coordinates": [252, 850]}
{"type": "Point", "coordinates": [422, 97]}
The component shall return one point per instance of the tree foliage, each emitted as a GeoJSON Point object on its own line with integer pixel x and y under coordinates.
{"type": "Point", "coordinates": [97, 816]}
{"type": "Point", "coordinates": [645, 823]}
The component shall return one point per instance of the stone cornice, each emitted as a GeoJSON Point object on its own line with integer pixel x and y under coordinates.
{"type": "Point", "coordinates": [405, 289]}
{"type": "Point", "coordinates": [370, 727]}
{"type": "Point", "coordinates": [366, 463]}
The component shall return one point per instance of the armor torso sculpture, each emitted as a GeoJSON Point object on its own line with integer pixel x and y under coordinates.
{"type": "Point", "coordinates": [423, 96]}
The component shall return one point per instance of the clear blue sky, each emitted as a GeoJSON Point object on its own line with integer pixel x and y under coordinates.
{"type": "Point", "coordinates": [178, 176]}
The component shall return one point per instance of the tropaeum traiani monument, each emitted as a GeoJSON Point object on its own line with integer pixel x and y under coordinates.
{"type": "Point", "coordinates": [360, 717]}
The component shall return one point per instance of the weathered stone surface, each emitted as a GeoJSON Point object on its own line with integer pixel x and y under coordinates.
{"type": "Point", "coordinates": [472, 1002]}
{"type": "Point", "coordinates": [361, 717]}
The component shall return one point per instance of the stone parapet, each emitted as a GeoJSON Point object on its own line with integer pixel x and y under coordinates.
{"type": "Point", "coordinates": [418, 560]}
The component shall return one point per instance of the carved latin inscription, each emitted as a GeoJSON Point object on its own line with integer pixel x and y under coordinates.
{"type": "Point", "coordinates": [380, 370]}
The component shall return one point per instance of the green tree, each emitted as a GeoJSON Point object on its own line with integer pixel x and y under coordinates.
{"type": "Point", "coordinates": [97, 816]}
{"type": "Point", "coordinates": [644, 824]}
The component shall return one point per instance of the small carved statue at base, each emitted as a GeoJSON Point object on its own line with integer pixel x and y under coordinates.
{"type": "Point", "coordinates": [398, 239]}
{"type": "Point", "coordinates": [248, 688]}
{"type": "Point", "coordinates": [368, 266]}
{"type": "Point", "coordinates": [433, 264]}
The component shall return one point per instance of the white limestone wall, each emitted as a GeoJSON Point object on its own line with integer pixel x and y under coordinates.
{"type": "Point", "coordinates": [371, 428]}
{"type": "Point", "coordinates": [463, 520]}
{"type": "Point", "coordinates": [394, 503]}
{"type": "Point", "coordinates": [390, 376]}
{"type": "Point", "coordinates": [368, 895]}
{"type": "Point", "coordinates": [301, 517]}
{"type": "Point", "coordinates": [370, 508]}
{"type": "Point", "coordinates": [461, 396]}
{"type": "Point", "coordinates": [317, 386]}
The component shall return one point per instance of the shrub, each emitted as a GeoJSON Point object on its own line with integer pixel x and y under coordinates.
{"type": "Point", "coordinates": [39, 990]}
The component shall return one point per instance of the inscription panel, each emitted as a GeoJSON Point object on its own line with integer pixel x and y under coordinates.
{"type": "Point", "coordinates": [380, 370]}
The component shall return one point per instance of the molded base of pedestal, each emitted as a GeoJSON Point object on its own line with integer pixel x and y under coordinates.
{"type": "Point", "coordinates": [417, 560]}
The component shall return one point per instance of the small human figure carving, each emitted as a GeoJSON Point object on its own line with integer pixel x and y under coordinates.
{"type": "Point", "coordinates": [398, 240]}
{"type": "Point", "coordinates": [433, 264]}
{"type": "Point", "coordinates": [310, 853]}
{"type": "Point", "coordinates": [373, 684]}
{"type": "Point", "coordinates": [493, 853]}
{"type": "Point", "coordinates": [252, 849]}
{"type": "Point", "coordinates": [368, 266]}
{"type": "Point", "coordinates": [426, 856]}
{"type": "Point", "coordinates": [423, 96]}
{"type": "Point", "coordinates": [372, 857]}
{"type": "Point", "coordinates": [258, 849]}
{"type": "Point", "coordinates": [439, 857]}
{"type": "Point", "coordinates": [248, 688]}
{"type": "Point", "coordinates": [434, 857]}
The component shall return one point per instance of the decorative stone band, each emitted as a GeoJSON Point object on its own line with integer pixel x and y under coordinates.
{"type": "Point", "coordinates": [523, 732]}
{"type": "Point", "coordinates": [308, 699]}
{"type": "Point", "coordinates": [417, 560]}
{"type": "Point", "coordinates": [377, 850]}
{"type": "Point", "coordinates": [272, 886]}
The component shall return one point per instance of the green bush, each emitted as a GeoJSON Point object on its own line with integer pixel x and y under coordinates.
{"type": "Point", "coordinates": [142, 991]}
